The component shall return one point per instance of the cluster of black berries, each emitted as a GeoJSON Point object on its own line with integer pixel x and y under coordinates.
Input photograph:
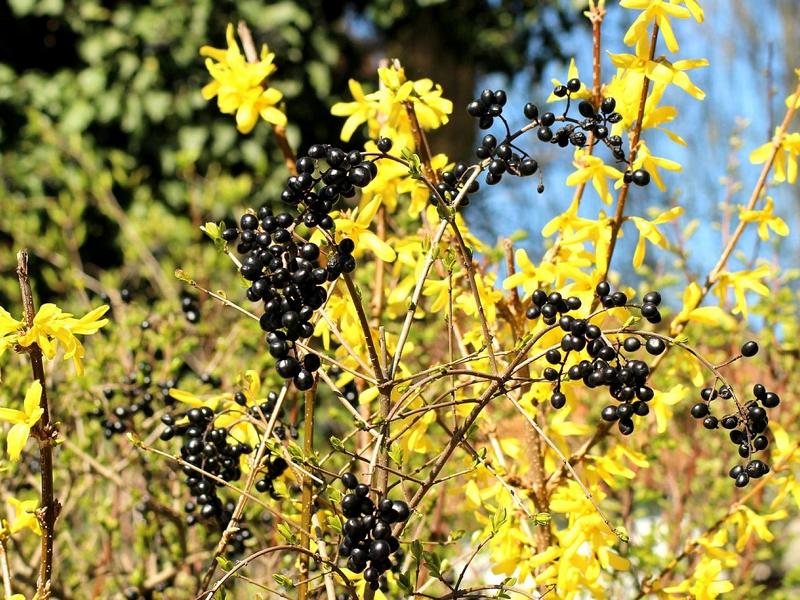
{"type": "Point", "coordinates": [191, 310]}
{"type": "Point", "coordinates": [504, 157]}
{"type": "Point", "coordinates": [747, 426]}
{"type": "Point", "coordinates": [625, 378]}
{"type": "Point", "coordinates": [136, 390]}
{"type": "Point", "coordinates": [452, 185]}
{"type": "Point", "coordinates": [286, 272]}
{"type": "Point", "coordinates": [368, 541]}
{"type": "Point", "coordinates": [205, 447]}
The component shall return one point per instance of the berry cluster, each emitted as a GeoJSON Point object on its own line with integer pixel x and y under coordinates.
{"type": "Point", "coordinates": [368, 541]}
{"type": "Point", "coordinates": [504, 157]}
{"type": "Point", "coordinates": [205, 447]}
{"type": "Point", "coordinates": [284, 270]}
{"type": "Point", "coordinates": [748, 426]}
{"type": "Point", "coordinates": [625, 378]}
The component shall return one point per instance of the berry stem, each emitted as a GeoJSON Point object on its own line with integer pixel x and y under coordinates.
{"type": "Point", "coordinates": [45, 432]}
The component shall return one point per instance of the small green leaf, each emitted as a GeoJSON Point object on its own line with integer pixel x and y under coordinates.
{"type": "Point", "coordinates": [542, 518]}
{"type": "Point", "coordinates": [224, 563]}
{"type": "Point", "coordinates": [336, 443]}
{"type": "Point", "coordinates": [286, 533]}
{"type": "Point", "coordinates": [283, 581]}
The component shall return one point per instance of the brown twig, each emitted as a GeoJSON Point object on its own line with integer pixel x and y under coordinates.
{"type": "Point", "coordinates": [616, 223]}
{"type": "Point", "coordinates": [249, 47]}
{"type": "Point", "coordinates": [308, 487]}
{"type": "Point", "coordinates": [44, 431]}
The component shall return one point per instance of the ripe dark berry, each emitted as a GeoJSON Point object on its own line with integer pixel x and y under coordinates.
{"type": "Point", "coordinates": [710, 422]}
{"type": "Point", "coordinates": [548, 119]}
{"type": "Point", "coordinates": [749, 349]}
{"type": "Point", "coordinates": [631, 344]}
{"type": "Point", "coordinates": [771, 400]}
{"type": "Point", "coordinates": [560, 91]}
{"type": "Point", "coordinates": [384, 144]}
{"type": "Point", "coordinates": [609, 413]}
{"type": "Point", "coordinates": [608, 105]}
{"type": "Point", "coordinates": [640, 177]}
{"type": "Point", "coordinates": [531, 111]}
{"type": "Point", "coordinates": [544, 133]}
{"type": "Point", "coordinates": [655, 346]}
{"type": "Point", "coordinates": [558, 400]}
{"type": "Point", "coordinates": [574, 85]}
{"type": "Point", "coordinates": [700, 410]}
{"type": "Point", "coordinates": [603, 289]}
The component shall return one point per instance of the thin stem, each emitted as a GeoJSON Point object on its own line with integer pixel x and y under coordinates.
{"type": "Point", "coordinates": [278, 130]}
{"type": "Point", "coordinates": [233, 524]}
{"type": "Point", "coordinates": [4, 568]}
{"type": "Point", "coordinates": [308, 486]}
{"type": "Point", "coordinates": [44, 431]}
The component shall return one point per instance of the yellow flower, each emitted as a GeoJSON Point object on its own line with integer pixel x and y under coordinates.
{"type": "Point", "coordinates": [356, 228]}
{"type": "Point", "coordinates": [24, 516]}
{"type": "Point", "coordinates": [766, 220]}
{"type": "Point", "coordinates": [663, 402]}
{"type": "Point", "coordinates": [52, 326]}
{"type": "Point", "coordinates": [659, 11]}
{"type": "Point", "coordinates": [364, 109]}
{"type": "Point", "coordinates": [8, 324]}
{"type": "Point", "coordinates": [592, 168]}
{"type": "Point", "coordinates": [663, 71]}
{"type": "Point", "coordinates": [785, 159]}
{"type": "Point", "coordinates": [742, 282]}
{"type": "Point", "coordinates": [704, 583]}
{"type": "Point", "coordinates": [648, 230]}
{"type": "Point", "coordinates": [23, 420]}
{"type": "Point", "coordinates": [691, 311]}
{"type": "Point", "coordinates": [426, 96]}
{"type": "Point", "coordinates": [239, 85]}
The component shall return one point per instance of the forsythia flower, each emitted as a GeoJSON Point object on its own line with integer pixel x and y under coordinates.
{"type": "Point", "coordinates": [572, 73]}
{"type": "Point", "coordinates": [357, 229]}
{"type": "Point", "coordinates": [23, 420]}
{"type": "Point", "coordinates": [691, 311]}
{"type": "Point", "coordinates": [24, 517]}
{"type": "Point", "coordinates": [704, 584]}
{"type": "Point", "coordinates": [364, 109]}
{"type": "Point", "coordinates": [239, 85]}
{"type": "Point", "coordinates": [766, 220]}
{"type": "Point", "coordinates": [663, 71]}
{"type": "Point", "coordinates": [592, 168]}
{"type": "Point", "coordinates": [52, 326]}
{"type": "Point", "coordinates": [648, 230]}
{"type": "Point", "coordinates": [659, 11]}
{"type": "Point", "coordinates": [785, 158]}
{"type": "Point", "coordinates": [432, 110]}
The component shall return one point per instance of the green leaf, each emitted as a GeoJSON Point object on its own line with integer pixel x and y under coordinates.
{"type": "Point", "coordinates": [336, 443]}
{"type": "Point", "coordinates": [224, 563]}
{"type": "Point", "coordinates": [283, 581]}
{"type": "Point", "coordinates": [498, 519]}
{"type": "Point", "coordinates": [286, 533]}
{"type": "Point", "coordinates": [414, 163]}
{"type": "Point", "coordinates": [334, 523]}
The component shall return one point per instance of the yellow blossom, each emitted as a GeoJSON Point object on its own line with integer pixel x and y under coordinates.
{"type": "Point", "coordinates": [572, 73]}
{"type": "Point", "coordinates": [663, 402]}
{"type": "Point", "coordinates": [704, 583]}
{"type": "Point", "coordinates": [356, 227]}
{"type": "Point", "coordinates": [648, 230]}
{"type": "Point", "coordinates": [766, 220]}
{"type": "Point", "coordinates": [363, 109]}
{"type": "Point", "coordinates": [425, 96]}
{"type": "Point", "coordinates": [239, 85]}
{"type": "Point", "coordinates": [23, 420]}
{"type": "Point", "coordinates": [658, 11]}
{"type": "Point", "coordinates": [52, 326]}
{"type": "Point", "coordinates": [592, 168]}
{"type": "Point", "coordinates": [785, 163]}
{"type": "Point", "coordinates": [742, 282]}
{"type": "Point", "coordinates": [663, 71]}
{"type": "Point", "coordinates": [24, 517]}
{"type": "Point", "coordinates": [691, 311]}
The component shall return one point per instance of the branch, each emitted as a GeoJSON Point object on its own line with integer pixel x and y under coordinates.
{"type": "Point", "coordinates": [44, 431]}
